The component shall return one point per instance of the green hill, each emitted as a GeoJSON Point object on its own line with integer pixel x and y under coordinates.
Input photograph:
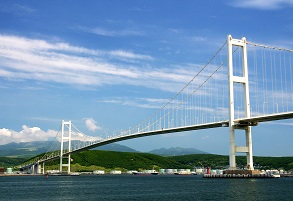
{"type": "Point", "coordinates": [176, 151]}
{"type": "Point", "coordinates": [119, 160]}
{"type": "Point", "coordinates": [11, 161]}
{"type": "Point", "coordinates": [222, 162]}
{"type": "Point", "coordinates": [99, 159]}
{"type": "Point", "coordinates": [136, 161]}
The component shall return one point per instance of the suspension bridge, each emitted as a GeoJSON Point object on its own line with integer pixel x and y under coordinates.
{"type": "Point", "coordinates": [243, 84]}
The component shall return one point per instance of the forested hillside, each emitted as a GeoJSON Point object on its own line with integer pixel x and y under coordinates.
{"type": "Point", "coordinates": [136, 161]}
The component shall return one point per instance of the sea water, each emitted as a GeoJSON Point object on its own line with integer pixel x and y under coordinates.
{"type": "Point", "coordinates": [136, 187]}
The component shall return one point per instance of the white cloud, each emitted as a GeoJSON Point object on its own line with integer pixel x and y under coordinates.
{"type": "Point", "coordinates": [198, 39]}
{"type": "Point", "coordinates": [262, 4]}
{"type": "Point", "coordinates": [40, 60]}
{"type": "Point", "coordinates": [137, 102]}
{"type": "Point", "coordinates": [91, 124]}
{"type": "Point", "coordinates": [158, 103]}
{"type": "Point", "coordinates": [24, 8]}
{"type": "Point", "coordinates": [5, 132]}
{"type": "Point", "coordinates": [112, 33]}
{"type": "Point", "coordinates": [84, 138]}
{"type": "Point", "coordinates": [27, 134]}
{"type": "Point", "coordinates": [127, 54]}
{"type": "Point", "coordinates": [32, 59]}
{"type": "Point", "coordinates": [102, 32]}
{"type": "Point", "coordinates": [16, 9]}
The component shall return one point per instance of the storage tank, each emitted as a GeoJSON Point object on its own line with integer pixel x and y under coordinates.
{"type": "Point", "coordinates": [99, 172]}
{"type": "Point", "coordinates": [9, 170]}
{"type": "Point", "coordinates": [115, 172]}
{"type": "Point", "coordinates": [199, 171]}
{"type": "Point", "coordinates": [169, 171]}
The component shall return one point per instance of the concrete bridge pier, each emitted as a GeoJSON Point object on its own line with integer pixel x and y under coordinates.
{"type": "Point", "coordinates": [40, 168]}
{"type": "Point", "coordinates": [31, 169]}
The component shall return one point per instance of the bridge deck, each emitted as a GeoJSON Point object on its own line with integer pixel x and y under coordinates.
{"type": "Point", "coordinates": [264, 118]}
{"type": "Point", "coordinates": [156, 132]}
{"type": "Point", "coordinates": [225, 123]}
{"type": "Point", "coordinates": [241, 121]}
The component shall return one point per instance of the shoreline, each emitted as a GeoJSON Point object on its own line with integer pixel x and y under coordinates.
{"type": "Point", "coordinates": [204, 175]}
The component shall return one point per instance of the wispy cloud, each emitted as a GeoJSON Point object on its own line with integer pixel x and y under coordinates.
{"type": "Point", "coordinates": [91, 124]}
{"type": "Point", "coordinates": [130, 55]}
{"type": "Point", "coordinates": [153, 103]}
{"type": "Point", "coordinates": [136, 102]}
{"type": "Point", "coordinates": [47, 119]}
{"type": "Point", "coordinates": [42, 60]}
{"type": "Point", "coordinates": [262, 4]}
{"type": "Point", "coordinates": [33, 59]}
{"type": "Point", "coordinates": [16, 9]}
{"type": "Point", "coordinates": [112, 33]}
{"type": "Point", "coordinates": [198, 39]}
{"type": "Point", "coordinates": [24, 8]}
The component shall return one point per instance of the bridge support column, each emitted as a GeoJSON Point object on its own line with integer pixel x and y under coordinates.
{"type": "Point", "coordinates": [249, 156]}
{"type": "Point", "coordinates": [242, 79]}
{"type": "Point", "coordinates": [32, 169]}
{"type": "Point", "coordinates": [40, 168]}
{"type": "Point", "coordinates": [65, 145]}
{"type": "Point", "coordinates": [232, 153]}
{"type": "Point", "coordinates": [37, 169]}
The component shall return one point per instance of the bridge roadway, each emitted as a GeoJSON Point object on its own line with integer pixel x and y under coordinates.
{"type": "Point", "coordinates": [264, 118]}
{"type": "Point", "coordinates": [252, 121]}
{"type": "Point", "coordinates": [143, 134]}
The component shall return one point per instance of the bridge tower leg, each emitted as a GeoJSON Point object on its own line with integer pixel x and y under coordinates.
{"type": "Point", "coordinates": [39, 168]}
{"type": "Point", "coordinates": [65, 145]}
{"type": "Point", "coordinates": [32, 169]}
{"type": "Point", "coordinates": [243, 79]}
{"type": "Point", "coordinates": [43, 168]}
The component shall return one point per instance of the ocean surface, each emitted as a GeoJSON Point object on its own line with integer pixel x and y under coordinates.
{"type": "Point", "coordinates": [137, 187]}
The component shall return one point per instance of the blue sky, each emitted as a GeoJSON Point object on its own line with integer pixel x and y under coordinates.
{"type": "Point", "coordinates": [107, 65]}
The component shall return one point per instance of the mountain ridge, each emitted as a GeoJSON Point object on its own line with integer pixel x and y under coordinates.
{"type": "Point", "coordinates": [31, 149]}
{"type": "Point", "coordinates": [176, 151]}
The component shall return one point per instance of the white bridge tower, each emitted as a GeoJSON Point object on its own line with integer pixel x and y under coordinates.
{"type": "Point", "coordinates": [65, 145]}
{"type": "Point", "coordinates": [242, 79]}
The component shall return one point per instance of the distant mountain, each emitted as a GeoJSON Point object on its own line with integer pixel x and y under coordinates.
{"type": "Point", "coordinates": [31, 149]}
{"type": "Point", "coordinates": [25, 149]}
{"type": "Point", "coordinates": [176, 151]}
{"type": "Point", "coordinates": [115, 147]}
